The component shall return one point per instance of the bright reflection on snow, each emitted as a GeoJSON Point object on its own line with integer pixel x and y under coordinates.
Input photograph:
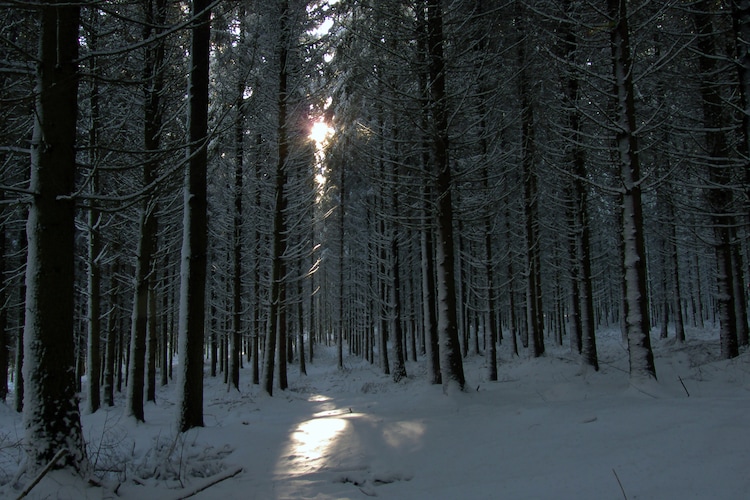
{"type": "Point", "coordinates": [334, 435]}
{"type": "Point", "coordinates": [314, 437]}
{"type": "Point", "coordinates": [318, 398]}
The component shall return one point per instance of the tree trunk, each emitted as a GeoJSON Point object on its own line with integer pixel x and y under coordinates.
{"type": "Point", "coordinates": [155, 16]}
{"type": "Point", "coordinates": [239, 156]}
{"type": "Point", "coordinates": [110, 348]}
{"type": "Point", "coordinates": [583, 321]}
{"type": "Point", "coordinates": [51, 416]}
{"type": "Point", "coordinates": [151, 343]}
{"type": "Point", "coordinates": [399, 366]}
{"type": "Point", "coordinates": [534, 313]}
{"type": "Point", "coordinates": [93, 361]}
{"type": "Point", "coordinates": [429, 312]}
{"type": "Point", "coordinates": [164, 337]}
{"type": "Point", "coordinates": [451, 364]}
{"type": "Point", "coordinates": [636, 308]}
{"type": "Point", "coordinates": [4, 338]}
{"type": "Point", "coordinates": [718, 194]}
{"type": "Point", "coordinates": [276, 333]}
{"type": "Point", "coordinates": [139, 322]}
{"type": "Point", "coordinates": [195, 228]}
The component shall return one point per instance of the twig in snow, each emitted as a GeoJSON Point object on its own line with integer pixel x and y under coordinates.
{"type": "Point", "coordinates": [683, 386]}
{"type": "Point", "coordinates": [620, 483]}
{"type": "Point", "coordinates": [210, 482]}
{"type": "Point", "coordinates": [41, 474]}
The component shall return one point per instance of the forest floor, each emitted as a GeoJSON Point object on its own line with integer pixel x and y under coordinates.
{"type": "Point", "coordinates": [546, 430]}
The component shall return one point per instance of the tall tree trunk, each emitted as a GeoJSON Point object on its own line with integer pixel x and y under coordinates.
{"type": "Point", "coordinates": [429, 311]}
{"type": "Point", "coordinates": [635, 283]}
{"type": "Point", "coordinates": [4, 337]}
{"type": "Point", "coordinates": [93, 361]}
{"type": "Point", "coordinates": [399, 366]}
{"type": "Point", "coordinates": [718, 194]}
{"type": "Point", "coordinates": [583, 309]}
{"type": "Point", "coordinates": [239, 157]}
{"type": "Point", "coordinates": [110, 350]}
{"type": "Point", "coordinates": [301, 320]}
{"type": "Point", "coordinates": [164, 337]}
{"type": "Point", "coordinates": [451, 364]}
{"type": "Point", "coordinates": [19, 342]}
{"type": "Point", "coordinates": [155, 17]}
{"type": "Point", "coordinates": [534, 312]}
{"type": "Point", "coordinates": [151, 342]}
{"type": "Point", "coordinates": [511, 287]}
{"type": "Point", "coordinates": [312, 277]}
{"type": "Point", "coordinates": [380, 260]}
{"type": "Point", "coordinates": [740, 297]}
{"type": "Point", "coordinates": [428, 305]}
{"type": "Point", "coordinates": [275, 337]}
{"type": "Point", "coordinates": [51, 416]}
{"type": "Point", "coordinates": [139, 322]}
{"type": "Point", "coordinates": [195, 227]}
{"type": "Point", "coordinates": [679, 323]}
{"type": "Point", "coordinates": [341, 263]}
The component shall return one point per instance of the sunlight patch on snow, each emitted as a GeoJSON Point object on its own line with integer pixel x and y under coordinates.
{"type": "Point", "coordinates": [318, 398]}
{"type": "Point", "coordinates": [311, 441]}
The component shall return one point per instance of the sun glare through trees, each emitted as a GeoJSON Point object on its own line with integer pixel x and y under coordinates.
{"type": "Point", "coordinates": [320, 132]}
{"type": "Point", "coordinates": [191, 188]}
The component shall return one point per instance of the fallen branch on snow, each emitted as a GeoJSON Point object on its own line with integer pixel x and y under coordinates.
{"type": "Point", "coordinates": [210, 482]}
{"type": "Point", "coordinates": [620, 483]}
{"type": "Point", "coordinates": [41, 474]}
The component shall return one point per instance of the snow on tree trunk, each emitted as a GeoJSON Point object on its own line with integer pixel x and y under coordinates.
{"type": "Point", "coordinates": [195, 228]}
{"type": "Point", "coordinates": [451, 364]}
{"type": "Point", "coordinates": [636, 308]}
{"type": "Point", "coordinates": [276, 332]}
{"type": "Point", "coordinates": [51, 415]}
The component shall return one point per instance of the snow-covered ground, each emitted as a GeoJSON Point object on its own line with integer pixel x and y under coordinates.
{"type": "Point", "coordinates": [546, 430]}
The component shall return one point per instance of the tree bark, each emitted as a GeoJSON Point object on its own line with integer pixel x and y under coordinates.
{"type": "Point", "coordinates": [195, 227]}
{"type": "Point", "coordinates": [451, 364]}
{"type": "Point", "coordinates": [4, 338]}
{"type": "Point", "coordinates": [276, 333]}
{"type": "Point", "coordinates": [51, 416]}
{"type": "Point", "coordinates": [111, 340]}
{"type": "Point", "coordinates": [534, 312]}
{"type": "Point", "coordinates": [718, 194]}
{"type": "Point", "coordinates": [93, 360]}
{"type": "Point", "coordinates": [239, 157]}
{"type": "Point", "coordinates": [636, 308]}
